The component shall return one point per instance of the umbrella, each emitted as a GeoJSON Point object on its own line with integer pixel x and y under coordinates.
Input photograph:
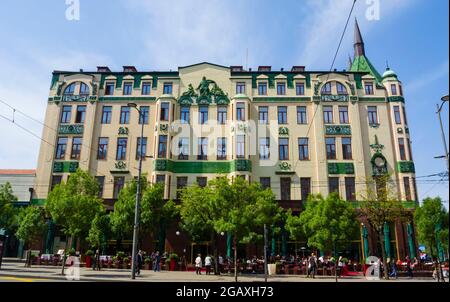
{"type": "Point", "coordinates": [438, 229]}
{"type": "Point", "coordinates": [229, 245]}
{"type": "Point", "coordinates": [283, 243]}
{"type": "Point", "coordinates": [387, 240]}
{"type": "Point", "coordinates": [365, 235]}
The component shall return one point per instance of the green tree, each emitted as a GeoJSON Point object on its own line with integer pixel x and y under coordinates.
{"type": "Point", "coordinates": [75, 204]}
{"type": "Point", "coordinates": [431, 219]}
{"type": "Point", "coordinates": [31, 227]}
{"type": "Point", "coordinates": [100, 230]}
{"type": "Point", "coordinates": [248, 208]}
{"type": "Point", "coordinates": [379, 206]}
{"type": "Point", "coordinates": [328, 223]}
{"type": "Point", "coordinates": [8, 215]}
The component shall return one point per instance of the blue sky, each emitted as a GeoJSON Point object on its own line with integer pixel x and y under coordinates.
{"type": "Point", "coordinates": [36, 38]}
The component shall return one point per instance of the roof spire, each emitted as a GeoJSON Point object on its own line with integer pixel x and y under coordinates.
{"type": "Point", "coordinates": [359, 43]}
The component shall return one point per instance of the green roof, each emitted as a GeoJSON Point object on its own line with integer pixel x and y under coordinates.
{"type": "Point", "coordinates": [362, 64]}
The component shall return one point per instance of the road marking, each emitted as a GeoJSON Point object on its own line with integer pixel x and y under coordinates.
{"type": "Point", "coordinates": [20, 279]}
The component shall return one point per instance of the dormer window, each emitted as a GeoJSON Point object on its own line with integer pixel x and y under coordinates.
{"type": "Point", "coordinates": [127, 88]}
{"type": "Point", "coordinates": [109, 88]}
{"type": "Point", "coordinates": [368, 88]}
{"type": "Point", "coordinates": [281, 88]}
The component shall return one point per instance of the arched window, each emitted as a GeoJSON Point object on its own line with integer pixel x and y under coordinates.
{"type": "Point", "coordinates": [70, 89]}
{"type": "Point", "coordinates": [341, 88]}
{"type": "Point", "coordinates": [326, 89]}
{"type": "Point", "coordinates": [84, 89]}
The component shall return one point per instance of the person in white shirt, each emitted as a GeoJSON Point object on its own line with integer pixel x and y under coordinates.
{"type": "Point", "coordinates": [198, 264]}
{"type": "Point", "coordinates": [208, 262]}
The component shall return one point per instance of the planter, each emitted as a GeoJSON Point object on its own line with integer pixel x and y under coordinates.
{"type": "Point", "coordinates": [272, 269]}
{"type": "Point", "coordinates": [88, 261]}
{"type": "Point", "coordinates": [147, 267]}
{"type": "Point", "coordinates": [172, 265]}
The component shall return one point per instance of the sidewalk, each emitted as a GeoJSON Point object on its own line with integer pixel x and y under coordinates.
{"type": "Point", "coordinates": [16, 269]}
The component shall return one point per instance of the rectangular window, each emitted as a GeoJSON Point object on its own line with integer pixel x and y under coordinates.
{"type": "Point", "coordinates": [222, 115]}
{"type": "Point", "coordinates": [202, 148]}
{"type": "Point", "coordinates": [144, 148]}
{"type": "Point", "coordinates": [181, 184]}
{"type": "Point", "coordinates": [127, 88]}
{"type": "Point", "coordinates": [143, 116]}
{"type": "Point", "coordinates": [281, 88]}
{"type": "Point", "coordinates": [162, 146]}
{"type": "Point", "coordinates": [303, 148]}
{"type": "Point", "coordinates": [240, 88]}
{"type": "Point", "coordinates": [416, 196]}
{"type": "Point", "coordinates": [407, 188]}
{"type": "Point", "coordinates": [401, 148]}
{"type": "Point", "coordinates": [65, 114]}
{"type": "Point", "coordinates": [347, 148]}
{"type": "Point", "coordinates": [146, 88]}
{"type": "Point", "coordinates": [343, 115]}
{"type": "Point", "coordinates": [240, 146]}
{"type": "Point", "coordinates": [264, 148]}
{"type": "Point", "coordinates": [265, 182]}
{"type": "Point", "coordinates": [409, 149]}
{"type": "Point", "coordinates": [203, 115]}
{"type": "Point", "coordinates": [109, 88]}
{"type": "Point", "coordinates": [300, 89]}
{"type": "Point", "coordinates": [285, 186]}
{"type": "Point", "coordinates": [81, 114]}
{"type": "Point", "coordinates": [61, 148]}
{"type": "Point", "coordinates": [305, 186]}
{"type": "Point", "coordinates": [262, 88]}
{"type": "Point", "coordinates": [263, 115]}
{"type": "Point", "coordinates": [101, 185]}
{"type": "Point", "coordinates": [161, 179]}
{"type": "Point", "coordinates": [328, 114]}
{"type": "Point", "coordinates": [202, 181]}
{"type": "Point", "coordinates": [394, 89]}
{"type": "Point", "coordinates": [185, 113]}
{"type": "Point", "coordinates": [102, 148]}
{"type": "Point", "coordinates": [397, 116]}
{"type": "Point", "coordinates": [56, 180]}
{"type": "Point", "coordinates": [340, 88]}
{"type": "Point", "coordinates": [119, 183]}
{"type": "Point", "coordinates": [302, 117]}
{"type": "Point", "coordinates": [164, 114]}
{"type": "Point", "coordinates": [372, 114]}
{"type": "Point", "coordinates": [106, 114]}
{"type": "Point", "coordinates": [124, 115]}
{"type": "Point", "coordinates": [404, 115]}
{"type": "Point", "coordinates": [183, 145]}
{"type": "Point", "coordinates": [240, 111]}
{"type": "Point", "coordinates": [333, 185]}
{"type": "Point", "coordinates": [283, 148]}
{"type": "Point", "coordinates": [368, 88]}
{"type": "Point", "coordinates": [330, 143]}
{"type": "Point", "coordinates": [350, 189]}
{"type": "Point", "coordinates": [221, 148]}
{"type": "Point", "coordinates": [400, 89]}
{"type": "Point", "coordinates": [167, 88]}
{"type": "Point", "coordinates": [76, 148]}
{"type": "Point", "coordinates": [282, 115]}
{"type": "Point", "coordinates": [121, 153]}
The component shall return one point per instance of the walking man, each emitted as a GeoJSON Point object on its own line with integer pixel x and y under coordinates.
{"type": "Point", "coordinates": [208, 263]}
{"type": "Point", "coordinates": [139, 261]}
{"type": "Point", "coordinates": [312, 265]}
{"type": "Point", "coordinates": [157, 262]}
{"type": "Point", "coordinates": [198, 264]}
{"type": "Point", "coordinates": [408, 267]}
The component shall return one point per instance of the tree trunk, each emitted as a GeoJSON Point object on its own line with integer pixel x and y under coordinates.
{"type": "Point", "coordinates": [64, 257]}
{"type": "Point", "coordinates": [383, 254]}
{"type": "Point", "coordinates": [235, 259]}
{"type": "Point", "coordinates": [216, 253]}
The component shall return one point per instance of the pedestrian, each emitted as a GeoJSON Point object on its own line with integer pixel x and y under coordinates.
{"type": "Point", "coordinates": [157, 262]}
{"type": "Point", "coordinates": [97, 260]}
{"type": "Point", "coordinates": [220, 264]}
{"type": "Point", "coordinates": [208, 263]}
{"type": "Point", "coordinates": [198, 264]}
{"type": "Point", "coordinates": [409, 267]}
{"type": "Point", "coordinates": [139, 261]}
{"type": "Point", "coordinates": [312, 265]}
{"type": "Point", "coordinates": [393, 273]}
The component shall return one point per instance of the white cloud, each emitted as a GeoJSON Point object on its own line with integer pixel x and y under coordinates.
{"type": "Point", "coordinates": [427, 78]}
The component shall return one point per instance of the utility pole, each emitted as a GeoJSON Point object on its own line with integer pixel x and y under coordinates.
{"type": "Point", "coordinates": [265, 253]}
{"type": "Point", "coordinates": [439, 109]}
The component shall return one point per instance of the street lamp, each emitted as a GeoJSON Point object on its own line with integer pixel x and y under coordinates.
{"type": "Point", "coordinates": [444, 99]}
{"type": "Point", "coordinates": [138, 193]}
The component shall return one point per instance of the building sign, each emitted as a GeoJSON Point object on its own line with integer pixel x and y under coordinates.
{"type": "Point", "coordinates": [123, 131]}
{"type": "Point", "coordinates": [78, 98]}
{"type": "Point", "coordinates": [334, 98]}
{"type": "Point", "coordinates": [338, 130]}
{"type": "Point", "coordinates": [71, 129]}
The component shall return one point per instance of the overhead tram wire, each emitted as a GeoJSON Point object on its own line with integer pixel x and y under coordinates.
{"type": "Point", "coordinates": [331, 67]}
{"type": "Point", "coordinates": [35, 135]}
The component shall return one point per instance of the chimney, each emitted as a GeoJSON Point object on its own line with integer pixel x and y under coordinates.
{"type": "Point", "coordinates": [264, 68]}
{"type": "Point", "coordinates": [236, 68]}
{"type": "Point", "coordinates": [298, 68]}
{"type": "Point", "coordinates": [129, 69]}
{"type": "Point", "coordinates": [103, 69]}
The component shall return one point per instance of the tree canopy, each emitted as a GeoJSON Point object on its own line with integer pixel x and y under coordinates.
{"type": "Point", "coordinates": [32, 224]}
{"type": "Point", "coordinates": [8, 214]}
{"type": "Point", "coordinates": [325, 222]}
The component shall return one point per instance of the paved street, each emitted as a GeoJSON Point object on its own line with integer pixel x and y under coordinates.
{"type": "Point", "coordinates": [14, 271]}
